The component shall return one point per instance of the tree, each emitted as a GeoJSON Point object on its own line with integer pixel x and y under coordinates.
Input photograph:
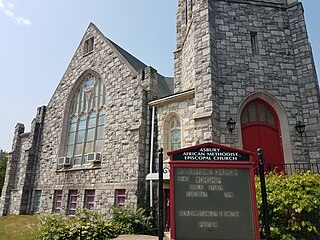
{"type": "Point", "coordinates": [3, 168]}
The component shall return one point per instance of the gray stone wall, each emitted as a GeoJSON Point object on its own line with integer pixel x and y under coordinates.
{"type": "Point", "coordinates": [216, 74]}
{"type": "Point", "coordinates": [281, 67]}
{"type": "Point", "coordinates": [306, 78]}
{"type": "Point", "coordinates": [125, 152]}
{"type": "Point", "coordinates": [124, 140]}
{"type": "Point", "coordinates": [227, 73]}
{"type": "Point", "coordinates": [184, 110]}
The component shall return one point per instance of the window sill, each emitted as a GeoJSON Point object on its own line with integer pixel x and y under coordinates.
{"type": "Point", "coordinates": [79, 167]}
{"type": "Point", "coordinates": [88, 53]}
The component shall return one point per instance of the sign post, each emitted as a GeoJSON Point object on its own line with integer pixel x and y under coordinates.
{"type": "Point", "coordinates": [264, 195]}
{"type": "Point", "coordinates": [212, 193]}
{"type": "Point", "coordinates": [160, 204]}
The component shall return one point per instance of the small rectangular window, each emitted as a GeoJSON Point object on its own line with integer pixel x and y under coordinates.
{"type": "Point", "coordinates": [37, 197]}
{"type": "Point", "coordinates": [89, 199]}
{"type": "Point", "coordinates": [254, 43]}
{"type": "Point", "coordinates": [120, 197]}
{"type": "Point", "coordinates": [57, 201]}
{"type": "Point", "coordinates": [73, 201]}
{"type": "Point", "coordinates": [88, 46]}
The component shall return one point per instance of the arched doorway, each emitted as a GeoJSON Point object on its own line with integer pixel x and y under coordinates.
{"type": "Point", "coordinates": [261, 128]}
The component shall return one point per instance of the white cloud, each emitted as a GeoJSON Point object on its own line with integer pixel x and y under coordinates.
{"type": "Point", "coordinates": [10, 5]}
{"type": "Point", "coordinates": [22, 21]}
{"type": "Point", "coordinates": [9, 13]}
{"type": "Point", "coordinates": [7, 9]}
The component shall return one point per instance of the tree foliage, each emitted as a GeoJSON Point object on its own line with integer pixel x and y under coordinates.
{"type": "Point", "coordinates": [294, 205]}
{"type": "Point", "coordinates": [3, 168]}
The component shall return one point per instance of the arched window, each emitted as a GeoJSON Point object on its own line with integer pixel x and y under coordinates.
{"type": "Point", "coordinates": [175, 134]}
{"type": "Point", "coordinates": [257, 111]}
{"type": "Point", "coordinates": [86, 121]}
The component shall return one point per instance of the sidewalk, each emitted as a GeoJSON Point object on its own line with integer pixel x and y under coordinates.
{"type": "Point", "coordinates": [136, 237]}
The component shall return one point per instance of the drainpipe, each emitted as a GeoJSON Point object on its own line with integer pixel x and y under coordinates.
{"type": "Point", "coordinates": [151, 153]}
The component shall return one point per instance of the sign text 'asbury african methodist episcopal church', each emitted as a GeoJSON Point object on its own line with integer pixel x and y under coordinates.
{"type": "Point", "coordinates": [211, 192]}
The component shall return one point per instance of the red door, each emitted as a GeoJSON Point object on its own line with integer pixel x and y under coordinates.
{"type": "Point", "coordinates": [261, 129]}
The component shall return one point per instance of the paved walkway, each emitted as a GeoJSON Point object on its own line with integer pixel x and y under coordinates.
{"type": "Point", "coordinates": [136, 237]}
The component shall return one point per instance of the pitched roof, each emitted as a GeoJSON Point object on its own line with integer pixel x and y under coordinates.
{"type": "Point", "coordinates": [165, 86]}
{"type": "Point", "coordinates": [135, 63]}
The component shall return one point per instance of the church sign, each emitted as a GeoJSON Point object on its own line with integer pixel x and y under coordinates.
{"type": "Point", "coordinates": [210, 153]}
{"type": "Point", "coordinates": [212, 193]}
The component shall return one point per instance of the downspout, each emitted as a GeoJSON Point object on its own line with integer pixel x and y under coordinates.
{"type": "Point", "coordinates": [151, 153]}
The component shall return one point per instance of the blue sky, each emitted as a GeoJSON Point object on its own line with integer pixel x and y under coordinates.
{"type": "Point", "coordinates": [39, 38]}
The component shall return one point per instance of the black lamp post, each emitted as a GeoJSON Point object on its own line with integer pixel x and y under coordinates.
{"type": "Point", "coordinates": [300, 127]}
{"type": "Point", "coordinates": [231, 124]}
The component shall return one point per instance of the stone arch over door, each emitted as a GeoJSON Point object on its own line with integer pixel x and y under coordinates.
{"type": "Point", "coordinates": [284, 130]}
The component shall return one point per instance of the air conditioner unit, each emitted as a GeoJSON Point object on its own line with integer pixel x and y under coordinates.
{"type": "Point", "coordinates": [67, 161]}
{"type": "Point", "coordinates": [61, 160]}
{"type": "Point", "coordinates": [64, 161]}
{"type": "Point", "coordinates": [94, 157]}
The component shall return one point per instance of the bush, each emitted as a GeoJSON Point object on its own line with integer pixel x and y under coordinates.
{"type": "Point", "coordinates": [294, 205]}
{"type": "Point", "coordinates": [93, 225]}
{"type": "Point", "coordinates": [129, 220]}
{"type": "Point", "coordinates": [84, 225]}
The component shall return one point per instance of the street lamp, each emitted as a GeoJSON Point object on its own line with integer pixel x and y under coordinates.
{"type": "Point", "coordinates": [231, 124]}
{"type": "Point", "coordinates": [300, 127]}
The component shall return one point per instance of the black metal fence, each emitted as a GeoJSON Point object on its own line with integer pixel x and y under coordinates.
{"type": "Point", "coordinates": [290, 168]}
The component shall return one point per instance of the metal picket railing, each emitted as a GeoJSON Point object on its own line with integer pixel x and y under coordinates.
{"type": "Point", "coordinates": [290, 168]}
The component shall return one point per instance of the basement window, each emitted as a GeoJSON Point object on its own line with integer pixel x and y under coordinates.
{"type": "Point", "coordinates": [88, 46]}
{"type": "Point", "coordinates": [120, 197]}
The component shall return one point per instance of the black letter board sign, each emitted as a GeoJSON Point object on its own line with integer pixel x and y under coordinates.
{"type": "Point", "coordinates": [212, 194]}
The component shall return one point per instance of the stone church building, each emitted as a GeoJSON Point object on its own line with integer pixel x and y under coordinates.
{"type": "Point", "coordinates": [94, 144]}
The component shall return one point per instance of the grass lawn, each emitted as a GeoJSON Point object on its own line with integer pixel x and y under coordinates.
{"type": "Point", "coordinates": [22, 227]}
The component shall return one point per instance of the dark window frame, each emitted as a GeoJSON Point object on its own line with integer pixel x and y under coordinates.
{"type": "Point", "coordinates": [120, 197]}
{"type": "Point", "coordinates": [88, 46]}
{"type": "Point", "coordinates": [72, 193]}
{"type": "Point", "coordinates": [58, 194]}
{"type": "Point", "coordinates": [37, 201]}
{"type": "Point", "coordinates": [89, 193]}
{"type": "Point", "coordinates": [254, 43]}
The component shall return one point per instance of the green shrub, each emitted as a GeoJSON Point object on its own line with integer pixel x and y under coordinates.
{"type": "Point", "coordinates": [84, 225]}
{"type": "Point", "coordinates": [93, 225]}
{"type": "Point", "coordinates": [294, 205]}
{"type": "Point", "coordinates": [130, 220]}
{"type": "Point", "coordinates": [54, 227]}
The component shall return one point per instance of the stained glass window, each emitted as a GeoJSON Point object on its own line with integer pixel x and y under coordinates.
{"type": "Point", "coordinates": [257, 112]}
{"type": "Point", "coordinates": [86, 120]}
{"type": "Point", "coordinates": [175, 134]}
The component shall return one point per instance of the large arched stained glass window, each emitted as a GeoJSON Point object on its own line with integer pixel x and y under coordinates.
{"type": "Point", "coordinates": [86, 121]}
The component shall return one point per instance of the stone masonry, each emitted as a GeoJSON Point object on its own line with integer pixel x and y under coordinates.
{"type": "Point", "coordinates": [214, 50]}
{"type": "Point", "coordinates": [125, 159]}
{"type": "Point", "coordinates": [228, 52]}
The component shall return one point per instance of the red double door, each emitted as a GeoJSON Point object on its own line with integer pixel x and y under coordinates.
{"type": "Point", "coordinates": [261, 129]}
